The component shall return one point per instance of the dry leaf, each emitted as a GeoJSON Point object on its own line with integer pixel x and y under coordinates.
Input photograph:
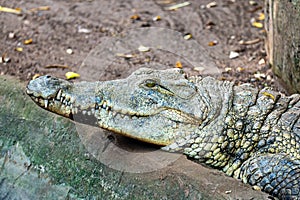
{"type": "Point", "coordinates": [178, 64]}
{"type": "Point", "coordinates": [187, 36]}
{"type": "Point", "coordinates": [157, 18]}
{"type": "Point", "coordinates": [253, 3]}
{"type": "Point", "coordinates": [233, 54]}
{"type": "Point", "coordinates": [69, 51]}
{"type": "Point", "coordinates": [41, 8]}
{"type": "Point", "coordinates": [257, 24]}
{"type": "Point", "coordinates": [211, 4]}
{"type": "Point", "coordinates": [240, 69]}
{"type": "Point", "coordinates": [124, 55]}
{"type": "Point", "coordinates": [10, 10]}
{"type": "Point", "coordinates": [180, 5]}
{"type": "Point", "coordinates": [83, 30]}
{"type": "Point", "coordinates": [249, 42]}
{"type": "Point", "coordinates": [35, 76]}
{"type": "Point", "coordinates": [29, 41]}
{"type": "Point", "coordinates": [142, 48]}
{"type": "Point", "coordinates": [213, 43]}
{"type": "Point", "coordinates": [11, 35]}
{"type": "Point", "coordinates": [262, 61]}
{"type": "Point", "coordinates": [259, 75]}
{"type": "Point", "coordinates": [261, 16]}
{"type": "Point", "coordinates": [5, 58]}
{"type": "Point", "coordinates": [228, 69]}
{"type": "Point", "coordinates": [71, 75]}
{"type": "Point", "coordinates": [199, 69]}
{"type": "Point", "coordinates": [135, 17]}
{"type": "Point", "coordinates": [20, 49]}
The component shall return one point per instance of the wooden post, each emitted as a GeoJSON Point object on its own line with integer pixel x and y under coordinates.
{"type": "Point", "coordinates": [283, 40]}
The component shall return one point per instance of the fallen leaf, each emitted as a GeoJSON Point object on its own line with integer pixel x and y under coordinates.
{"type": "Point", "coordinates": [262, 61]}
{"type": "Point", "coordinates": [142, 48]}
{"type": "Point", "coordinates": [211, 4]}
{"type": "Point", "coordinates": [180, 5]}
{"type": "Point", "coordinates": [69, 51]}
{"type": "Point", "coordinates": [135, 17]}
{"type": "Point", "coordinates": [233, 54]}
{"type": "Point", "coordinates": [261, 16]}
{"type": "Point", "coordinates": [83, 30]}
{"type": "Point", "coordinates": [249, 42]}
{"type": "Point", "coordinates": [253, 3]}
{"type": "Point", "coordinates": [257, 24]}
{"type": "Point", "coordinates": [11, 35]}
{"type": "Point", "coordinates": [156, 18]}
{"type": "Point", "coordinates": [228, 69]}
{"type": "Point", "coordinates": [199, 69]}
{"type": "Point", "coordinates": [240, 69]}
{"type": "Point", "coordinates": [5, 58]}
{"type": "Point", "coordinates": [259, 75]}
{"type": "Point", "coordinates": [20, 49]}
{"type": "Point", "coordinates": [29, 41]}
{"type": "Point", "coordinates": [35, 76]}
{"type": "Point", "coordinates": [213, 43]}
{"type": "Point", "coordinates": [125, 55]}
{"type": "Point", "coordinates": [178, 64]}
{"type": "Point", "coordinates": [17, 11]}
{"type": "Point", "coordinates": [41, 8]}
{"type": "Point", "coordinates": [71, 75]}
{"type": "Point", "coordinates": [187, 36]}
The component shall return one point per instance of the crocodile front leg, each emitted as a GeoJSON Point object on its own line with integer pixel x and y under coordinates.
{"type": "Point", "coordinates": [277, 174]}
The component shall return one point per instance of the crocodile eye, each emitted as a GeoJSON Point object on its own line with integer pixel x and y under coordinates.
{"type": "Point", "coordinates": [150, 83]}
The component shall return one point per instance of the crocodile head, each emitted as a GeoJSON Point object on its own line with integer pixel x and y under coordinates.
{"type": "Point", "coordinates": [150, 105]}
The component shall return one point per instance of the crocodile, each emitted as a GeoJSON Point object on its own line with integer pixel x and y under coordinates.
{"type": "Point", "coordinates": [250, 134]}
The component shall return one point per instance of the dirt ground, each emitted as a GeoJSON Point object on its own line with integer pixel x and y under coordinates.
{"type": "Point", "coordinates": [64, 32]}
{"type": "Point", "coordinates": [80, 36]}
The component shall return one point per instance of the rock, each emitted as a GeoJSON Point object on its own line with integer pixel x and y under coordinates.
{"type": "Point", "coordinates": [47, 152]}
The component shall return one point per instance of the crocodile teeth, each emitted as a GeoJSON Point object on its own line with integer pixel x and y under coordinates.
{"type": "Point", "coordinates": [75, 110]}
{"type": "Point", "coordinates": [58, 96]}
{"type": "Point", "coordinates": [68, 97]}
{"type": "Point", "coordinates": [46, 103]}
{"type": "Point", "coordinates": [104, 105]}
{"type": "Point", "coordinates": [72, 100]}
{"type": "Point", "coordinates": [29, 91]}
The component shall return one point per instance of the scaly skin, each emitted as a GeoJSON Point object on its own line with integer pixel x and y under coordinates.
{"type": "Point", "coordinates": [249, 134]}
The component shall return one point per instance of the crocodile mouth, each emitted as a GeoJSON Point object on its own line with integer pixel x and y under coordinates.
{"type": "Point", "coordinates": [58, 102]}
{"type": "Point", "coordinates": [159, 126]}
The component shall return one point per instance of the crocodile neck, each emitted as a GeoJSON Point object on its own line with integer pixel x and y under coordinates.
{"type": "Point", "coordinates": [208, 139]}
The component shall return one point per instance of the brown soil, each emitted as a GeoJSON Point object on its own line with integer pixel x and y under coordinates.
{"type": "Point", "coordinates": [62, 27]}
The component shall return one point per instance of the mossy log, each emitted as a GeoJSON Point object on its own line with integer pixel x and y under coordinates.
{"type": "Point", "coordinates": [283, 41]}
{"type": "Point", "coordinates": [43, 157]}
